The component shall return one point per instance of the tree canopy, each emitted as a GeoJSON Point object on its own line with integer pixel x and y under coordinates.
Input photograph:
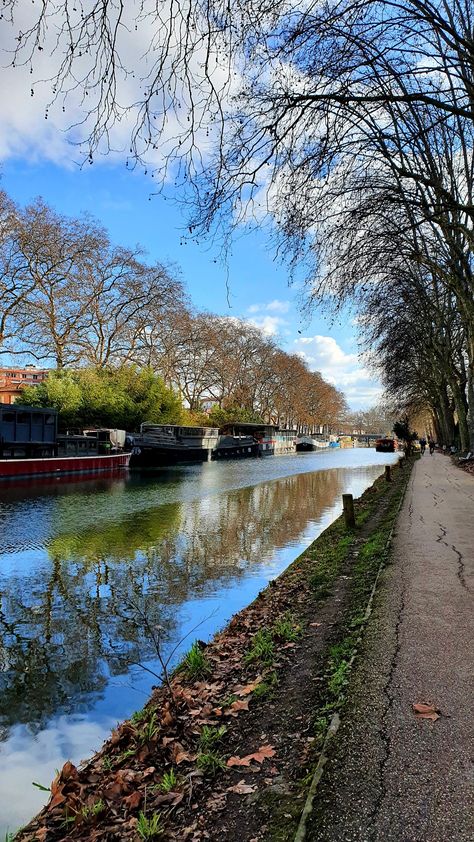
{"type": "Point", "coordinates": [121, 398]}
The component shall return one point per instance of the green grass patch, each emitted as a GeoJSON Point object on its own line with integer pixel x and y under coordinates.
{"type": "Point", "coordinates": [170, 782]}
{"type": "Point", "coordinates": [150, 827]}
{"type": "Point", "coordinates": [210, 762]}
{"type": "Point", "coordinates": [287, 628]}
{"type": "Point", "coordinates": [195, 664]}
{"type": "Point", "coordinates": [211, 736]}
{"type": "Point", "coordinates": [266, 688]}
{"type": "Point", "coordinates": [262, 649]}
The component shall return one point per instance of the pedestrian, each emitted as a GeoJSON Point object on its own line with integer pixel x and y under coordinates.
{"type": "Point", "coordinates": [422, 445]}
{"type": "Point", "coordinates": [431, 445]}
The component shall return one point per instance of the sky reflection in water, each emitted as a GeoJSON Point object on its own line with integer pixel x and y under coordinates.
{"type": "Point", "coordinates": [197, 542]}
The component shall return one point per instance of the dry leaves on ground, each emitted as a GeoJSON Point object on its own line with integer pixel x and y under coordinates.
{"type": "Point", "coordinates": [259, 756]}
{"type": "Point", "coordinates": [425, 710]}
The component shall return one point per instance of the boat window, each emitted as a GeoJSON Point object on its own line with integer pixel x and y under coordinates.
{"type": "Point", "coordinates": [23, 418]}
{"type": "Point", "coordinates": [8, 417]}
{"type": "Point", "coordinates": [49, 419]}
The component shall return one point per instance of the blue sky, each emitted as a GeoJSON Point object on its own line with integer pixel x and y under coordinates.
{"type": "Point", "coordinates": [36, 160]}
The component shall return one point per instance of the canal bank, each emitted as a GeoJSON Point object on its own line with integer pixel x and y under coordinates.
{"type": "Point", "coordinates": [229, 750]}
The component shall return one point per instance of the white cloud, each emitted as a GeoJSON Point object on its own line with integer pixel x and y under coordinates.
{"type": "Point", "coordinates": [269, 325]}
{"type": "Point", "coordinates": [275, 306]}
{"type": "Point", "coordinates": [24, 131]}
{"type": "Point", "coordinates": [344, 370]}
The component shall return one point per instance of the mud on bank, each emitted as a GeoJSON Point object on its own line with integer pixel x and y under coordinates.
{"type": "Point", "coordinates": [227, 751]}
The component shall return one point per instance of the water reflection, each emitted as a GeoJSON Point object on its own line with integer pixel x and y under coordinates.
{"type": "Point", "coordinates": [74, 557]}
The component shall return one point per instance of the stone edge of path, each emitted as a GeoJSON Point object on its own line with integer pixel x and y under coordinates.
{"type": "Point", "coordinates": [333, 727]}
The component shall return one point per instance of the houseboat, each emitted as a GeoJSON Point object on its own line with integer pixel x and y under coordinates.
{"type": "Point", "coordinates": [159, 445]}
{"type": "Point", "coordinates": [30, 446]}
{"type": "Point", "coordinates": [235, 447]}
{"type": "Point", "coordinates": [309, 443]}
{"type": "Point", "coordinates": [263, 434]}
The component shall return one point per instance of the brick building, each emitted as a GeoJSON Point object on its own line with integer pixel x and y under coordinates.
{"type": "Point", "coordinates": [13, 379]}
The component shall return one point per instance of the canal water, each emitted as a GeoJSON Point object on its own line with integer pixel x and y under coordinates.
{"type": "Point", "coordinates": [79, 562]}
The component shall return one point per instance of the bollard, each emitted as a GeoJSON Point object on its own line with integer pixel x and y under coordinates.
{"type": "Point", "coordinates": [388, 473]}
{"type": "Point", "coordinates": [348, 508]}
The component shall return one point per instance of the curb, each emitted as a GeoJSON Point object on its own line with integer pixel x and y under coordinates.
{"type": "Point", "coordinates": [335, 722]}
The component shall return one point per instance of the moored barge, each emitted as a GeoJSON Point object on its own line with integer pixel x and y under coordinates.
{"type": "Point", "coordinates": [31, 447]}
{"type": "Point", "coordinates": [160, 445]}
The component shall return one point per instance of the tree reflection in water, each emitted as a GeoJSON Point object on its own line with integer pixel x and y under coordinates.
{"type": "Point", "coordinates": [63, 604]}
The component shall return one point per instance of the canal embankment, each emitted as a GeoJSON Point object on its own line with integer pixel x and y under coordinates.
{"type": "Point", "coordinates": [227, 748]}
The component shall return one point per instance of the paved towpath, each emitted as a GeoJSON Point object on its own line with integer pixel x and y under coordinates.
{"type": "Point", "coordinates": [391, 778]}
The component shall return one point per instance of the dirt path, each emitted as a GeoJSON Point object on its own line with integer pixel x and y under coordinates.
{"type": "Point", "coordinates": [392, 777]}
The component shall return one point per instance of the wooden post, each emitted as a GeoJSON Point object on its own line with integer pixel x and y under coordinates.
{"type": "Point", "coordinates": [388, 473]}
{"type": "Point", "coordinates": [348, 508]}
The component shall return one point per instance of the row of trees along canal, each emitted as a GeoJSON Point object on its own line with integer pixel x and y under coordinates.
{"type": "Point", "coordinates": [125, 342]}
{"type": "Point", "coordinates": [349, 122]}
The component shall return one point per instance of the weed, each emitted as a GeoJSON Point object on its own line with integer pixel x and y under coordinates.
{"type": "Point", "coordinates": [262, 648]}
{"type": "Point", "coordinates": [129, 752]}
{"type": "Point", "coordinates": [107, 763]}
{"type": "Point", "coordinates": [149, 828]}
{"type": "Point", "coordinates": [149, 730]}
{"type": "Point", "coordinates": [211, 736]}
{"type": "Point", "coordinates": [41, 787]}
{"type": "Point", "coordinates": [228, 700]}
{"type": "Point", "coordinates": [10, 837]}
{"type": "Point", "coordinates": [195, 663]}
{"type": "Point", "coordinates": [266, 688]}
{"type": "Point", "coordinates": [90, 811]}
{"type": "Point", "coordinates": [338, 679]}
{"type": "Point", "coordinates": [170, 782]}
{"type": "Point", "coordinates": [320, 583]}
{"type": "Point", "coordinates": [210, 763]}
{"type": "Point", "coordinates": [321, 725]}
{"type": "Point", "coordinates": [287, 628]}
{"type": "Point", "coordinates": [137, 717]}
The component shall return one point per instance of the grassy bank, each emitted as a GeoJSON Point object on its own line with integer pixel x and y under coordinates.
{"type": "Point", "coordinates": [226, 749]}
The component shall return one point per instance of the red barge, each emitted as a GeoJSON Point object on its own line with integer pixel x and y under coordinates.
{"type": "Point", "coordinates": [31, 447]}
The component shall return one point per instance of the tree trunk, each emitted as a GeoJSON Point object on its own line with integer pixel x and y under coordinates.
{"type": "Point", "coordinates": [461, 411]}
{"type": "Point", "coordinates": [470, 390]}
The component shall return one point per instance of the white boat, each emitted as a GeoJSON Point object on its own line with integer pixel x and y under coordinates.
{"type": "Point", "coordinates": [305, 443]}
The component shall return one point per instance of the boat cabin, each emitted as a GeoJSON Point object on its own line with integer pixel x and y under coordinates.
{"type": "Point", "coordinates": [27, 431]}
{"type": "Point", "coordinates": [264, 434]}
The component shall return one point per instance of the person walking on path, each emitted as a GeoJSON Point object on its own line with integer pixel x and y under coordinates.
{"type": "Point", "coordinates": [422, 446]}
{"type": "Point", "coordinates": [392, 776]}
{"type": "Point", "coordinates": [431, 445]}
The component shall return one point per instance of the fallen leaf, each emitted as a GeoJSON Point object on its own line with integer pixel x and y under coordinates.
{"type": "Point", "coordinates": [240, 704]}
{"type": "Point", "coordinates": [315, 625]}
{"type": "Point", "coordinates": [259, 756]}
{"type": "Point", "coordinates": [426, 711]}
{"type": "Point", "coordinates": [240, 761]}
{"type": "Point", "coordinates": [133, 800]}
{"type": "Point", "coordinates": [263, 752]}
{"type": "Point", "coordinates": [57, 798]}
{"type": "Point", "coordinates": [242, 788]}
{"type": "Point", "coordinates": [68, 771]}
{"type": "Point", "coordinates": [184, 756]}
{"type": "Point", "coordinates": [249, 688]}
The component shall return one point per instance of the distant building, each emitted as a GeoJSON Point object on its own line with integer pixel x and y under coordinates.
{"type": "Point", "coordinates": [12, 380]}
